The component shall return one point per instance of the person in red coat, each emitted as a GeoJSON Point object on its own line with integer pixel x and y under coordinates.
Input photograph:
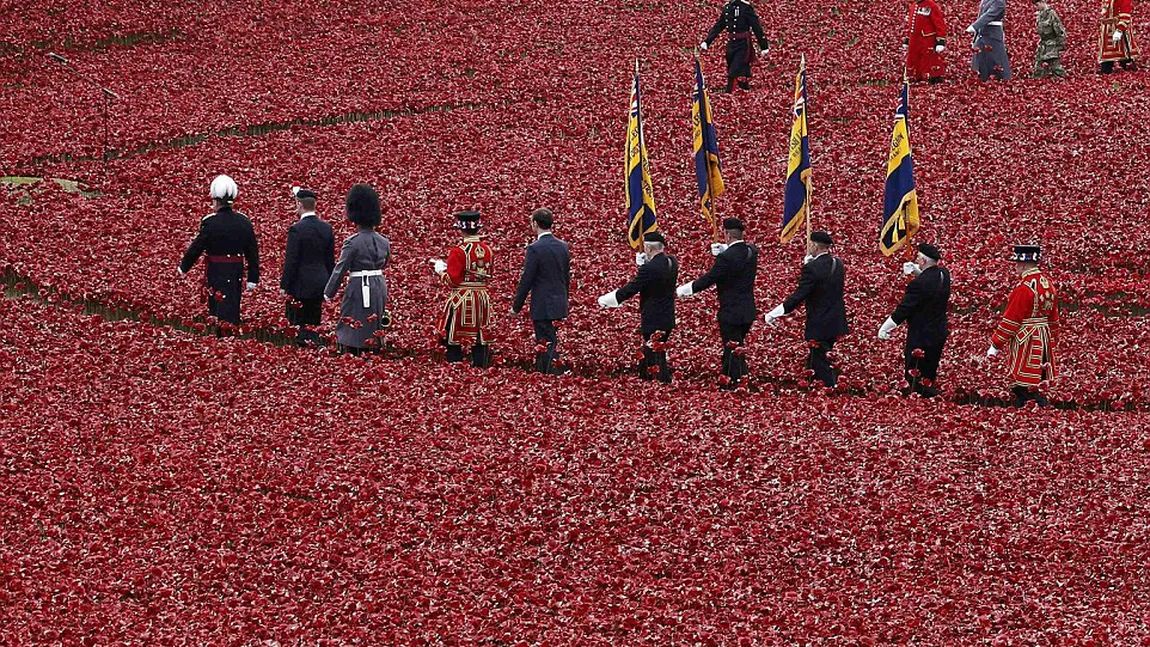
{"type": "Point", "coordinates": [1116, 41]}
{"type": "Point", "coordinates": [1029, 328]}
{"type": "Point", "coordinates": [467, 312]}
{"type": "Point", "coordinates": [925, 42]}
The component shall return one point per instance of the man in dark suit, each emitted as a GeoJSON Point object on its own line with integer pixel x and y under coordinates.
{"type": "Point", "coordinates": [655, 285]}
{"type": "Point", "coordinates": [547, 277]}
{"type": "Point", "coordinates": [308, 263]}
{"type": "Point", "coordinates": [923, 307]}
{"type": "Point", "coordinates": [736, 263]}
{"type": "Point", "coordinates": [227, 238]}
{"type": "Point", "coordinates": [821, 288]}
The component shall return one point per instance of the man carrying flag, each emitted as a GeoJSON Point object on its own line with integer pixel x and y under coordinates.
{"type": "Point", "coordinates": [640, 195]}
{"type": "Point", "coordinates": [739, 20]}
{"type": "Point", "coordinates": [708, 168]}
{"type": "Point", "coordinates": [900, 205]}
{"type": "Point", "coordinates": [797, 194]}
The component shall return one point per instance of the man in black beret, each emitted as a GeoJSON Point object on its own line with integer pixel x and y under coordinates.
{"type": "Point", "coordinates": [736, 263]}
{"type": "Point", "coordinates": [308, 262]}
{"type": "Point", "coordinates": [655, 285]}
{"type": "Point", "coordinates": [821, 288]}
{"type": "Point", "coordinates": [923, 307]}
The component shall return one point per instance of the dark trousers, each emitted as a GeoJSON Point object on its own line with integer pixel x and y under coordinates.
{"type": "Point", "coordinates": [303, 313]}
{"type": "Point", "coordinates": [818, 362]}
{"type": "Point", "coordinates": [654, 365]}
{"type": "Point", "coordinates": [546, 334]}
{"type": "Point", "coordinates": [1023, 394]}
{"type": "Point", "coordinates": [927, 367]}
{"type": "Point", "coordinates": [734, 364]}
{"type": "Point", "coordinates": [224, 300]}
{"type": "Point", "coordinates": [480, 354]}
{"type": "Point", "coordinates": [1108, 66]}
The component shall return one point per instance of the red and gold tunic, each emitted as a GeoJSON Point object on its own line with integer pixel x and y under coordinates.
{"type": "Point", "coordinates": [1029, 329]}
{"type": "Point", "coordinates": [467, 313]}
{"type": "Point", "coordinates": [1116, 17]}
{"type": "Point", "coordinates": [927, 30]}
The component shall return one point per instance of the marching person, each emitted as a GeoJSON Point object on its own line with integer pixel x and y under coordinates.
{"type": "Point", "coordinates": [821, 288]}
{"type": "Point", "coordinates": [363, 309]}
{"type": "Point", "coordinates": [547, 278]}
{"type": "Point", "coordinates": [655, 285]}
{"type": "Point", "coordinates": [228, 240]}
{"type": "Point", "coordinates": [1051, 42]}
{"type": "Point", "coordinates": [308, 262]}
{"type": "Point", "coordinates": [739, 20]}
{"type": "Point", "coordinates": [923, 307]}
{"type": "Point", "coordinates": [990, 58]}
{"type": "Point", "coordinates": [926, 42]}
{"type": "Point", "coordinates": [1116, 42]}
{"type": "Point", "coordinates": [1029, 328]}
{"type": "Point", "coordinates": [467, 312]}
{"type": "Point", "coordinates": [736, 263]}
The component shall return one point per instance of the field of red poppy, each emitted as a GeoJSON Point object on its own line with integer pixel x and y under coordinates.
{"type": "Point", "coordinates": [162, 486]}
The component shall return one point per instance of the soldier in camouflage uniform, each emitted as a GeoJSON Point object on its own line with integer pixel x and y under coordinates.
{"type": "Point", "coordinates": [1051, 42]}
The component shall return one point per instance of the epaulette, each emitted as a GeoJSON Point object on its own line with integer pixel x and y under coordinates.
{"type": "Point", "coordinates": [208, 216]}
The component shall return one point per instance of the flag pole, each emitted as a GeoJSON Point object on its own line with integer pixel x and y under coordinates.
{"type": "Point", "coordinates": [906, 118]}
{"type": "Point", "coordinates": [806, 122]}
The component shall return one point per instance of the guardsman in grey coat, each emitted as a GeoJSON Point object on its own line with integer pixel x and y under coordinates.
{"type": "Point", "coordinates": [547, 277]}
{"type": "Point", "coordinates": [308, 262]}
{"type": "Point", "coordinates": [363, 312]}
{"type": "Point", "coordinates": [990, 58]}
{"type": "Point", "coordinates": [227, 240]}
{"type": "Point", "coordinates": [923, 307]}
{"type": "Point", "coordinates": [736, 264]}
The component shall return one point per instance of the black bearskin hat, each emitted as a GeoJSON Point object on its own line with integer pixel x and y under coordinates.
{"type": "Point", "coordinates": [363, 206]}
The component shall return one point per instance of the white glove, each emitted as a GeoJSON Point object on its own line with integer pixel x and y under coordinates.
{"type": "Point", "coordinates": [807, 259]}
{"type": "Point", "coordinates": [909, 268]}
{"type": "Point", "coordinates": [939, 48]}
{"type": "Point", "coordinates": [970, 29]}
{"type": "Point", "coordinates": [779, 311]}
{"type": "Point", "coordinates": [992, 351]}
{"type": "Point", "coordinates": [684, 290]}
{"type": "Point", "coordinates": [1117, 36]}
{"type": "Point", "coordinates": [252, 286]}
{"type": "Point", "coordinates": [640, 258]}
{"type": "Point", "coordinates": [608, 300]}
{"type": "Point", "coordinates": [886, 328]}
{"type": "Point", "coordinates": [717, 248]}
{"type": "Point", "coordinates": [181, 271]}
{"type": "Point", "coordinates": [703, 46]}
{"type": "Point", "coordinates": [438, 264]}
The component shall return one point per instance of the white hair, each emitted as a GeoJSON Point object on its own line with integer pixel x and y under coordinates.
{"type": "Point", "coordinates": [224, 188]}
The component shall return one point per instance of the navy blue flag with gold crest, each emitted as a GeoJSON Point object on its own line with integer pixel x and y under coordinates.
{"type": "Point", "coordinates": [708, 168]}
{"type": "Point", "coordinates": [640, 194]}
{"type": "Point", "coordinates": [900, 220]}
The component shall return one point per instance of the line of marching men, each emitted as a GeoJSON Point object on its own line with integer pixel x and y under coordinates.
{"type": "Point", "coordinates": [312, 274]}
{"type": "Point", "coordinates": [926, 41]}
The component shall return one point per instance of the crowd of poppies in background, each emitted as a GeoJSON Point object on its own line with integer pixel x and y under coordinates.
{"type": "Point", "coordinates": [159, 485]}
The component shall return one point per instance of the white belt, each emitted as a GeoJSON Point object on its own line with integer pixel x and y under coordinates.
{"type": "Point", "coordinates": [366, 285]}
{"type": "Point", "coordinates": [995, 23]}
